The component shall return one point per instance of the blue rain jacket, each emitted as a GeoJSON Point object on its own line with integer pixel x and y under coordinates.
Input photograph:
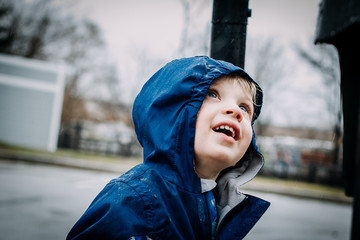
{"type": "Point", "coordinates": [161, 198]}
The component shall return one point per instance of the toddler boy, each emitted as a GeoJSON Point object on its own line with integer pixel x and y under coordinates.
{"type": "Point", "coordinates": [194, 119]}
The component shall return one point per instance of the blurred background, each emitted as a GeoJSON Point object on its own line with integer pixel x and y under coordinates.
{"type": "Point", "coordinates": [98, 55]}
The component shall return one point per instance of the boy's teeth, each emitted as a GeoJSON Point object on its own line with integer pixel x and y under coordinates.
{"type": "Point", "coordinates": [227, 128]}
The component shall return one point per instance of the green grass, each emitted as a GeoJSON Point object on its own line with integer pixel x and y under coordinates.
{"type": "Point", "coordinates": [68, 153]}
{"type": "Point", "coordinates": [106, 158]}
{"type": "Point", "coordinates": [300, 185]}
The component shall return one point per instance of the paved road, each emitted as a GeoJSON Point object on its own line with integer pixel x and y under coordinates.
{"type": "Point", "coordinates": [43, 202]}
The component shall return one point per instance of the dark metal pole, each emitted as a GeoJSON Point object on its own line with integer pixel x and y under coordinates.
{"type": "Point", "coordinates": [349, 50]}
{"type": "Point", "coordinates": [228, 35]}
{"type": "Point", "coordinates": [339, 24]}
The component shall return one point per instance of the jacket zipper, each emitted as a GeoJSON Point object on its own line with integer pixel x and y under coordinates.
{"type": "Point", "coordinates": [209, 218]}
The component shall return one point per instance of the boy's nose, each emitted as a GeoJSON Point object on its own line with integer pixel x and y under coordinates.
{"type": "Point", "coordinates": [234, 111]}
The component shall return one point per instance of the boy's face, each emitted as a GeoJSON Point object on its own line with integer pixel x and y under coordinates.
{"type": "Point", "coordinates": [223, 128]}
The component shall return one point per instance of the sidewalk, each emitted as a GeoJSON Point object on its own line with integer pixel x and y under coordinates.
{"type": "Point", "coordinates": [120, 166]}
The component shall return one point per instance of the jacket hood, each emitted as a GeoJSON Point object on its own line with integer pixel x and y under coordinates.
{"type": "Point", "coordinates": [165, 113]}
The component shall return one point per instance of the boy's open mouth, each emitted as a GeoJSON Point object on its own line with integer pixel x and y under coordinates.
{"type": "Point", "coordinates": [227, 130]}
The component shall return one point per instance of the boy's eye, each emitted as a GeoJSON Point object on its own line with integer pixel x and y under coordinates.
{"type": "Point", "coordinates": [212, 94]}
{"type": "Point", "coordinates": [245, 108]}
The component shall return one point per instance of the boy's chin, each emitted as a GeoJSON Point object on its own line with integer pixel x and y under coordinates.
{"type": "Point", "coordinates": [224, 161]}
{"type": "Point", "coordinates": [227, 156]}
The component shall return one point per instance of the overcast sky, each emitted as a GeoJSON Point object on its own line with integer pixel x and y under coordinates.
{"type": "Point", "coordinates": [157, 24]}
{"type": "Point", "coordinates": [141, 29]}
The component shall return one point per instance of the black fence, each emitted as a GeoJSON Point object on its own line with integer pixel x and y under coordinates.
{"type": "Point", "coordinates": [72, 137]}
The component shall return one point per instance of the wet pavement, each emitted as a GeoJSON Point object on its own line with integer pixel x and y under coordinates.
{"type": "Point", "coordinates": [299, 219]}
{"type": "Point", "coordinates": [43, 202]}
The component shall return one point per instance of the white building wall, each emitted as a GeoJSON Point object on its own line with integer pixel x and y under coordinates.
{"type": "Point", "coordinates": [31, 95]}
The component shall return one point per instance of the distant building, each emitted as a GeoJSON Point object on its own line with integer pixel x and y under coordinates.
{"type": "Point", "coordinates": [31, 96]}
{"type": "Point", "coordinates": [300, 153]}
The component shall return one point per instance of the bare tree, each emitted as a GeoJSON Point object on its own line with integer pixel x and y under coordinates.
{"type": "Point", "coordinates": [265, 63]}
{"type": "Point", "coordinates": [195, 36]}
{"type": "Point", "coordinates": [50, 34]}
{"type": "Point", "coordinates": [324, 58]}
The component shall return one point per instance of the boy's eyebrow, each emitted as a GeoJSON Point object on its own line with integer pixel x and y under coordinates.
{"type": "Point", "coordinates": [213, 87]}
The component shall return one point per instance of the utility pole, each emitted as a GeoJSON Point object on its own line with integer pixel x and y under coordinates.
{"type": "Point", "coordinates": [228, 34]}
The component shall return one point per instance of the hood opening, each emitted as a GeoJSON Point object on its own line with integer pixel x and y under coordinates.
{"type": "Point", "coordinates": [165, 113]}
